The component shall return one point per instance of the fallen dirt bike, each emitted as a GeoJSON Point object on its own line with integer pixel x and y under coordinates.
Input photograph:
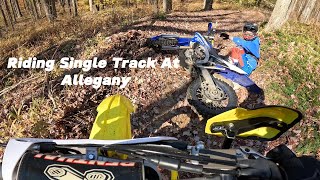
{"type": "Point", "coordinates": [111, 154]}
{"type": "Point", "coordinates": [211, 91]}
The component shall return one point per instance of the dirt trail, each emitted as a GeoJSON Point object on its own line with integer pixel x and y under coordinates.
{"type": "Point", "coordinates": [159, 94]}
{"type": "Point", "coordinates": [173, 116]}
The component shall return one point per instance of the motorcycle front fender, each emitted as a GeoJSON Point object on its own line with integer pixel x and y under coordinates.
{"type": "Point", "coordinates": [113, 119]}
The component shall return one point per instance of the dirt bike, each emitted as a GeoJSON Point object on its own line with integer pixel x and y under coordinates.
{"type": "Point", "coordinates": [110, 153]}
{"type": "Point", "coordinates": [212, 90]}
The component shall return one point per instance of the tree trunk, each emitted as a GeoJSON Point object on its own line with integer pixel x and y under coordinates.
{"type": "Point", "coordinates": [155, 6]}
{"type": "Point", "coordinates": [4, 16]}
{"type": "Point", "coordinates": [25, 4]}
{"type": "Point", "coordinates": [94, 8]}
{"type": "Point", "coordinates": [46, 8]}
{"type": "Point", "coordinates": [75, 7]}
{"type": "Point", "coordinates": [49, 7]}
{"type": "Point", "coordinates": [10, 18]}
{"type": "Point", "coordinates": [91, 2]}
{"type": "Point", "coordinates": [16, 8]}
{"type": "Point", "coordinates": [62, 4]}
{"type": "Point", "coordinates": [34, 9]}
{"type": "Point", "coordinates": [207, 5]}
{"type": "Point", "coordinates": [167, 6]}
{"type": "Point", "coordinates": [305, 11]}
{"type": "Point", "coordinates": [39, 9]}
{"type": "Point", "coordinates": [69, 6]}
{"type": "Point", "coordinates": [13, 11]}
{"type": "Point", "coordinates": [28, 8]}
{"type": "Point", "coordinates": [53, 9]}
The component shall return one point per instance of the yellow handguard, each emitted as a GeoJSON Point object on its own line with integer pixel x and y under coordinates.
{"type": "Point", "coordinates": [266, 123]}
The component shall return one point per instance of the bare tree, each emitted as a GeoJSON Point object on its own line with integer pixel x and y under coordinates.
{"type": "Point", "coordinates": [4, 16]}
{"type": "Point", "coordinates": [207, 5]}
{"type": "Point", "coordinates": [69, 6]}
{"type": "Point", "coordinates": [39, 9]}
{"type": "Point", "coordinates": [62, 4]}
{"type": "Point", "coordinates": [91, 3]}
{"type": "Point", "coordinates": [75, 7]}
{"type": "Point", "coordinates": [14, 16]}
{"type": "Point", "coordinates": [155, 4]}
{"type": "Point", "coordinates": [25, 4]}
{"type": "Point", "coordinates": [10, 18]}
{"type": "Point", "coordinates": [167, 6]}
{"type": "Point", "coordinates": [46, 7]}
{"type": "Point", "coordinates": [16, 8]}
{"type": "Point", "coordinates": [305, 11]}
{"type": "Point", "coordinates": [49, 7]}
{"type": "Point", "coordinates": [53, 8]}
{"type": "Point", "coordinates": [95, 7]}
{"type": "Point", "coordinates": [32, 8]}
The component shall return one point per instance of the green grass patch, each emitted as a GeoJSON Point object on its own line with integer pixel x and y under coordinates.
{"type": "Point", "coordinates": [296, 62]}
{"type": "Point", "coordinates": [292, 56]}
{"type": "Point", "coordinates": [310, 145]}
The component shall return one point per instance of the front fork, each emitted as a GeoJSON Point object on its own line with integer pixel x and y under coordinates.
{"type": "Point", "coordinates": [208, 78]}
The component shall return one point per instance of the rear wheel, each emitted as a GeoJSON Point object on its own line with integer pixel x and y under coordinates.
{"type": "Point", "coordinates": [209, 102]}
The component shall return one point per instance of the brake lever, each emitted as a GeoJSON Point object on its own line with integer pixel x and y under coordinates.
{"type": "Point", "coordinates": [249, 151]}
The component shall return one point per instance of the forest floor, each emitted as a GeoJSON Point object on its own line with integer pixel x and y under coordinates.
{"type": "Point", "coordinates": [34, 104]}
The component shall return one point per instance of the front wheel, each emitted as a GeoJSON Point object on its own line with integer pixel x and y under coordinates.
{"type": "Point", "coordinates": [210, 102]}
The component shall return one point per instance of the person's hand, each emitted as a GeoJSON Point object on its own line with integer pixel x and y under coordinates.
{"type": "Point", "coordinates": [293, 167]}
{"type": "Point", "coordinates": [224, 35]}
{"type": "Point", "coordinates": [259, 169]}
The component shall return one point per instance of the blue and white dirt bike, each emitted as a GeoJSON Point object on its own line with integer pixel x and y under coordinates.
{"type": "Point", "coordinates": [212, 90]}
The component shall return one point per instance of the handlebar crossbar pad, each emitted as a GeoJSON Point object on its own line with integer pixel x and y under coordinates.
{"type": "Point", "coordinates": [41, 166]}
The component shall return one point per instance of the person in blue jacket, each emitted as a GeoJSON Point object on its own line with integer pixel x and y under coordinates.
{"type": "Point", "coordinates": [247, 52]}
